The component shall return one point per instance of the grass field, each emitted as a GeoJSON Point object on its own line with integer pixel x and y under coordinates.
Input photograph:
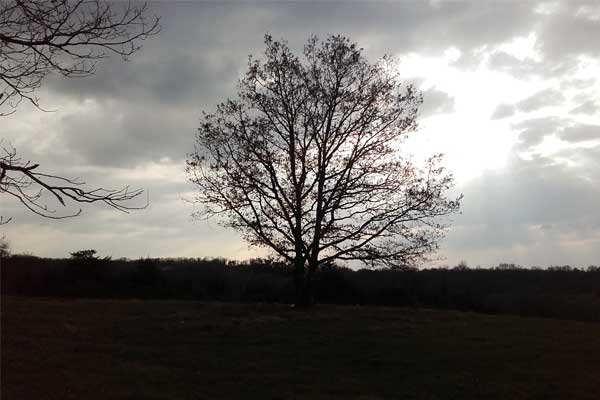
{"type": "Point", "coordinates": [84, 349]}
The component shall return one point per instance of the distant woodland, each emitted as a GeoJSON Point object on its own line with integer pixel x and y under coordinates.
{"type": "Point", "coordinates": [556, 292]}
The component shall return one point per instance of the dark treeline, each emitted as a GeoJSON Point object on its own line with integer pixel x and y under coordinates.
{"type": "Point", "coordinates": [559, 292]}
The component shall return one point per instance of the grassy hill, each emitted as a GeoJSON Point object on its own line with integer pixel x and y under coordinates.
{"type": "Point", "coordinates": [127, 349]}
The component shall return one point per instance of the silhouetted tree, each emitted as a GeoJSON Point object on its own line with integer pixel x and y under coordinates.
{"type": "Point", "coordinates": [40, 37]}
{"type": "Point", "coordinates": [305, 162]}
{"type": "Point", "coordinates": [84, 254]}
{"type": "Point", "coordinates": [4, 247]}
{"type": "Point", "coordinates": [22, 180]}
{"type": "Point", "coordinates": [462, 265]}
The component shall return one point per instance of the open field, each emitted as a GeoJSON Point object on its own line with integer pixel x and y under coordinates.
{"type": "Point", "coordinates": [96, 349]}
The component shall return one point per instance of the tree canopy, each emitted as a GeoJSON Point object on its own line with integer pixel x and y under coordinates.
{"type": "Point", "coordinates": [306, 161]}
{"type": "Point", "coordinates": [67, 37]}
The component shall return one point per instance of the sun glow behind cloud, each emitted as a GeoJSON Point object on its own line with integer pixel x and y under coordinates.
{"type": "Point", "coordinates": [471, 141]}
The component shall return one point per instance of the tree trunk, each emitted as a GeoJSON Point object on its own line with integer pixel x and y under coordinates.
{"type": "Point", "coordinates": [299, 278]}
{"type": "Point", "coordinates": [305, 289]}
{"type": "Point", "coordinates": [303, 281]}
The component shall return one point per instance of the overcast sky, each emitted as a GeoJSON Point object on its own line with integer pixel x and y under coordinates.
{"type": "Point", "coordinates": [512, 97]}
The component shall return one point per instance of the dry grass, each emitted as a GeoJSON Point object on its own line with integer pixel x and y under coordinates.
{"type": "Point", "coordinates": [85, 349]}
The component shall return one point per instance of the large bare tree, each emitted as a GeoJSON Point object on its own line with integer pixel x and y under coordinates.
{"type": "Point", "coordinates": [306, 162]}
{"type": "Point", "coordinates": [67, 37]}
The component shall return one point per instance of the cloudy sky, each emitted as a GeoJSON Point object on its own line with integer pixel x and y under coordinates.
{"type": "Point", "coordinates": [512, 97]}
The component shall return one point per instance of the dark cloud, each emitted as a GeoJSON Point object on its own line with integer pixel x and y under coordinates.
{"type": "Point", "coordinates": [531, 211]}
{"type": "Point", "coordinates": [503, 111]}
{"type": "Point", "coordinates": [165, 78]}
{"type": "Point", "coordinates": [522, 69]}
{"type": "Point", "coordinates": [564, 32]}
{"type": "Point", "coordinates": [580, 133]}
{"type": "Point", "coordinates": [536, 191]}
{"type": "Point", "coordinates": [588, 158]}
{"type": "Point", "coordinates": [148, 108]}
{"type": "Point", "coordinates": [530, 68]}
{"type": "Point", "coordinates": [436, 102]}
{"type": "Point", "coordinates": [541, 99]}
{"type": "Point", "coordinates": [198, 54]}
{"type": "Point", "coordinates": [569, 32]}
{"type": "Point", "coordinates": [578, 84]}
{"type": "Point", "coordinates": [590, 107]}
{"type": "Point", "coordinates": [532, 131]}
{"type": "Point", "coordinates": [103, 135]}
{"type": "Point", "coordinates": [410, 26]}
{"type": "Point", "coordinates": [470, 60]}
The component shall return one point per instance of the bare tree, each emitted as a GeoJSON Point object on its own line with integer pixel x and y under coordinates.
{"type": "Point", "coordinates": [40, 37]}
{"type": "Point", "coordinates": [21, 180]}
{"type": "Point", "coordinates": [4, 248]}
{"type": "Point", "coordinates": [68, 37]}
{"type": "Point", "coordinates": [306, 163]}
